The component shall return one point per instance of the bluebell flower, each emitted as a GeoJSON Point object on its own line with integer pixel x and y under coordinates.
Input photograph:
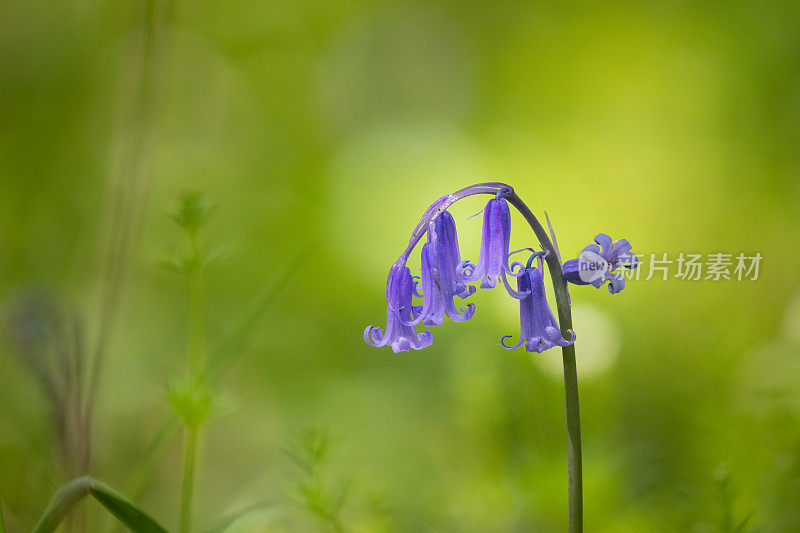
{"type": "Point", "coordinates": [439, 259]}
{"type": "Point", "coordinates": [598, 262]}
{"type": "Point", "coordinates": [539, 330]}
{"type": "Point", "coordinates": [400, 311]}
{"type": "Point", "coordinates": [492, 262]}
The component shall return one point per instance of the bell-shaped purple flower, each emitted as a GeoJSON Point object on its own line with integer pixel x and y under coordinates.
{"type": "Point", "coordinates": [539, 329]}
{"type": "Point", "coordinates": [440, 285]}
{"type": "Point", "coordinates": [399, 335]}
{"type": "Point", "coordinates": [493, 260]}
{"type": "Point", "coordinates": [598, 261]}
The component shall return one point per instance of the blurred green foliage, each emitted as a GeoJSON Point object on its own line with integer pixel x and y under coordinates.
{"type": "Point", "coordinates": [323, 130]}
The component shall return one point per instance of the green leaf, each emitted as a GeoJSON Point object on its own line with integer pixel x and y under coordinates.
{"type": "Point", "coordinates": [339, 497]}
{"type": "Point", "coordinates": [743, 524]}
{"type": "Point", "coordinates": [74, 491]}
{"type": "Point", "coordinates": [63, 500]}
{"type": "Point", "coordinates": [190, 401]}
{"type": "Point", "coordinates": [126, 512]}
{"type": "Point", "coordinates": [192, 213]}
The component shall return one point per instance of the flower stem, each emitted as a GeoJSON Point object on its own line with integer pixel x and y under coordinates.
{"type": "Point", "coordinates": [187, 490]}
{"type": "Point", "coordinates": [574, 457]}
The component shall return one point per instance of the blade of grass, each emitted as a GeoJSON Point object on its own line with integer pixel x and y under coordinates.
{"type": "Point", "coordinates": [74, 491]}
{"type": "Point", "coordinates": [234, 342]}
{"type": "Point", "coordinates": [137, 482]}
{"type": "Point", "coordinates": [127, 513]}
{"type": "Point", "coordinates": [63, 500]}
{"type": "Point", "coordinates": [233, 518]}
{"type": "Point", "coordinates": [743, 524]}
{"type": "Point", "coordinates": [2, 518]}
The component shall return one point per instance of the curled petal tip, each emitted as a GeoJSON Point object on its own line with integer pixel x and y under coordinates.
{"type": "Point", "coordinates": [511, 269]}
{"type": "Point", "coordinates": [504, 345]}
{"type": "Point", "coordinates": [616, 284]}
{"type": "Point", "coordinates": [368, 336]}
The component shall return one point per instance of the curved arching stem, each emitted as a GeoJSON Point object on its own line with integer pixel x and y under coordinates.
{"type": "Point", "coordinates": [574, 457]}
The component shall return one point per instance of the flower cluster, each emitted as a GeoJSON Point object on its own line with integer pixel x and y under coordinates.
{"type": "Point", "coordinates": [444, 276]}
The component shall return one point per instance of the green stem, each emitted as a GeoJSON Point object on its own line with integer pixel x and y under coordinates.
{"type": "Point", "coordinates": [196, 361]}
{"type": "Point", "coordinates": [187, 491]}
{"type": "Point", "coordinates": [195, 331]}
{"type": "Point", "coordinates": [128, 182]}
{"type": "Point", "coordinates": [574, 458]}
{"type": "Point", "coordinates": [2, 519]}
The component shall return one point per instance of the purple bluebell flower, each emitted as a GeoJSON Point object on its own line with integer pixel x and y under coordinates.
{"type": "Point", "coordinates": [493, 259]}
{"type": "Point", "coordinates": [598, 262]}
{"type": "Point", "coordinates": [439, 259]}
{"type": "Point", "coordinates": [539, 329]}
{"type": "Point", "coordinates": [400, 311]}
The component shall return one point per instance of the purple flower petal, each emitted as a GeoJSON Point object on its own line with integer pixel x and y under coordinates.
{"type": "Point", "coordinates": [604, 240]}
{"type": "Point", "coordinates": [492, 263]}
{"type": "Point", "coordinates": [441, 283]}
{"type": "Point", "coordinates": [538, 327]}
{"type": "Point", "coordinates": [398, 334]}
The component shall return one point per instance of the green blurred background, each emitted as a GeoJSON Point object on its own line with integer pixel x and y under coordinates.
{"type": "Point", "coordinates": [320, 132]}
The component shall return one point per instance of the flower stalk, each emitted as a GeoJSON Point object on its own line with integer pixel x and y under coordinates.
{"type": "Point", "coordinates": [574, 454]}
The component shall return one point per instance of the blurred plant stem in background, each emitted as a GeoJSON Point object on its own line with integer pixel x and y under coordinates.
{"type": "Point", "coordinates": [190, 399]}
{"type": "Point", "coordinates": [126, 193]}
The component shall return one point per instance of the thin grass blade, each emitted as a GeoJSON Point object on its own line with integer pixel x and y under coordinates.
{"type": "Point", "coordinates": [233, 518]}
{"type": "Point", "coordinates": [74, 491]}
{"type": "Point", "coordinates": [127, 513]}
{"type": "Point", "coordinates": [63, 500]}
{"type": "Point", "coordinates": [235, 341]}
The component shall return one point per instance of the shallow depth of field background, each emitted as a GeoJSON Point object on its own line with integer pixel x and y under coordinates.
{"type": "Point", "coordinates": [322, 131]}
